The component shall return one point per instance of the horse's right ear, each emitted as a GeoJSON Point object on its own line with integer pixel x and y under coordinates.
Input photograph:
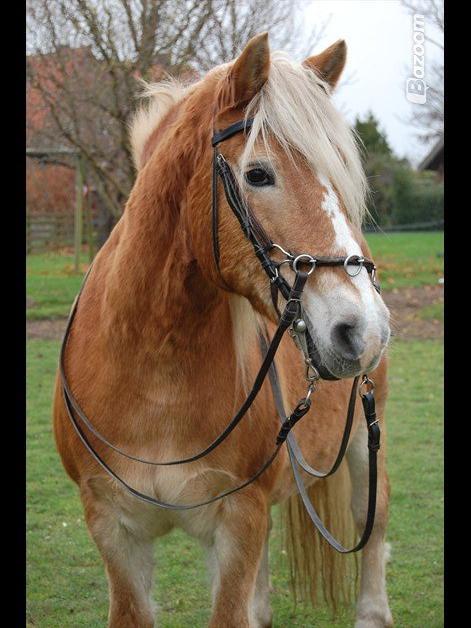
{"type": "Point", "coordinates": [330, 63]}
{"type": "Point", "coordinates": [247, 75]}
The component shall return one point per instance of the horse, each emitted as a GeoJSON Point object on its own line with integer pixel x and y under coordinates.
{"type": "Point", "coordinates": [164, 344]}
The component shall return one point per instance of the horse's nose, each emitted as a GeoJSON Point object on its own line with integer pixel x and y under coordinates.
{"type": "Point", "coordinates": [348, 337]}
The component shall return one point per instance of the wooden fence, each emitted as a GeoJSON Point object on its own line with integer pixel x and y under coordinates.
{"type": "Point", "coordinates": [49, 231]}
{"type": "Point", "coordinates": [437, 225]}
{"type": "Point", "coordinates": [56, 230]}
{"type": "Point", "coordinates": [46, 232]}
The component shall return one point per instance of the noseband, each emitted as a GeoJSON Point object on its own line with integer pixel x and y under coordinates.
{"type": "Point", "coordinates": [291, 319]}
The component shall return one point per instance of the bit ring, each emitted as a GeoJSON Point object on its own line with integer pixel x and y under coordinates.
{"type": "Point", "coordinates": [360, 261]}
{"type": "Point", "coordinates": [310, 260]}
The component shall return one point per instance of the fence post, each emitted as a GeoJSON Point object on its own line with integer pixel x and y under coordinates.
{"type": "Point", "coordinates": [78, 219]}
{"type": "Point", "coordinates": [28, 233]}
{"type": "Point", "coordinates": [89, 223]}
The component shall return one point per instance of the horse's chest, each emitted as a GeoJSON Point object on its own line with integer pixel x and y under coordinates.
{"type": "Point", "coordinates": [173, 485]}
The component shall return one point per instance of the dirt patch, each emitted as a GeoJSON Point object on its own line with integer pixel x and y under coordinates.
{"type": "Point", "coordinates": [406, 305]}
{"type": "Point", "coordinates": [46, 329]}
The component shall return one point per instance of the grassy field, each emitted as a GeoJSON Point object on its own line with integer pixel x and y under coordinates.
{"type": "Point", "coordinates": [66, 581]}
{"type": "Point", "coordinates": [403, 260]}
{"type": "Point", "coordinates": [51, 284]}
{"type": "Point", "coordinates": [407, 259]}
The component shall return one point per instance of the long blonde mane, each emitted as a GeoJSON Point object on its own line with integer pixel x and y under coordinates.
{"type": "Point", "coordinates": [160, 97]}
{"type": "Point", "coordinates": [294, 107]}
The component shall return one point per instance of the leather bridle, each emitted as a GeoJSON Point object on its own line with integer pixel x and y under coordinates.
{"type": "Point", "coordinates": [291, 319]}
{"type": "Point", "coordinates": [262, 243]}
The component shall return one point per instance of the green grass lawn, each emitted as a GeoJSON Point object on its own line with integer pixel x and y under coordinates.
{"type": "Point", "coordinates": [407, 259]}
{"type": "Point", "coordinates": [66, 581]}
{"type": "Point", "coordinates": [403, 260]}
{"type": "Point", "coordinates": [51, 284]}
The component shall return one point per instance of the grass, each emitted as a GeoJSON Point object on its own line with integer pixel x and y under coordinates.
{"type": "Point", "coordinates": [434, 311]}
{"type": "Point", "coordinates": [403, 260]}
{"type": "Point", "coordinates": [407, 260]}
{"type": "Point", "coordinates": [66, 582]}
{"type": "Point", "coordinates": [51, 284]}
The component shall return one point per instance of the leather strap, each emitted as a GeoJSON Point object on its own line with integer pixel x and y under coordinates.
{"type": "Point", "coordinates": [297, 459]}
{"type": "Point", "coordinates": [148, 498]}
{"type": "Point", "coordinates": [286, 319]}
{"type": "Point", "coordinates": [261, 244]}
{"type": "Point", "coordinates": [298, 454]}
{"type": "Point", "coordinates": [225, 134]}
{"type": "Point", "coordinates": [71, 405]}
{"type": "Point", "coordinates": [370, 517]}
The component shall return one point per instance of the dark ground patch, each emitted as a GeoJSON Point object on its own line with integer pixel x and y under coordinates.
{"type": "Point", "coordinates": [406, 306]}
{"type": "Point", "coordinates": [407, 312]}
{"type": "Point", "coordinates": [47, 329]}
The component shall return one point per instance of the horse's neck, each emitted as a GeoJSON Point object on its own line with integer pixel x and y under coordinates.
{"type": "Point", "coordinates": [158, 311]}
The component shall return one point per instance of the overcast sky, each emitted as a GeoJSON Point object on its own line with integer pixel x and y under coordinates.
{"type": "Point", "coordinates": [379, 40]}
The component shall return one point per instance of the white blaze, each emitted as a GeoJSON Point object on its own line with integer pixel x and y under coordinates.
{"type": "Point", "coordinates": [343, 236]}
{"type": "Point", "coordinates": [335, 297]}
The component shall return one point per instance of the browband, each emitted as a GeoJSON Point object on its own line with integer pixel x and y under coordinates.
{"type": "Point", "coordinates": [225, 134]}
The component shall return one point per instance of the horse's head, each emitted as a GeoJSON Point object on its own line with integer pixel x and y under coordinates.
{"type": "Point", "coordinates": [298, 171]}
{"type": "Point", "coordinates": [300, 174]}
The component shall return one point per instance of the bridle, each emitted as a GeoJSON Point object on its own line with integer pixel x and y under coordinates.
{"type": "Point", "coordinates": [262, 243]}
{"type": "Point", "coordinates": [291, 319]}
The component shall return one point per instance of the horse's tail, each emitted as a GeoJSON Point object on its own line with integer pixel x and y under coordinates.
{"type": "Point", "coordinates": [316, 570]}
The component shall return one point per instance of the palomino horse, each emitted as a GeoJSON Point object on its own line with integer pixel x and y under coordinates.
{"type": "Point", "coordinates": [164, 344]}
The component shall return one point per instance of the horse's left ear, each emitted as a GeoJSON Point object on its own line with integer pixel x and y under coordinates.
{"type": "Point", "coordinates": [248, 73]}
{"type": "Point", "coordinates": [330, 63]}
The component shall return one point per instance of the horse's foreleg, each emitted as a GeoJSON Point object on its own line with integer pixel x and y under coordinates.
{"type": "Point", "coordinates": [238, 549]}
{"type": "Point", "coordinates": [261, 610]}
{"type": "Point", "coordinates": [128, 559]}
{"type": "Point", "coordinates": [372, 607]}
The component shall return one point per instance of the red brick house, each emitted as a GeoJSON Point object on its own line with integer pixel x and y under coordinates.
{"type": "Point", "coordinates": [49, 181]}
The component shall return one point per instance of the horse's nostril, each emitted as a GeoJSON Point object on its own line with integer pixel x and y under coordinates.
{"type": "Point", "coordinates": [348, 339]}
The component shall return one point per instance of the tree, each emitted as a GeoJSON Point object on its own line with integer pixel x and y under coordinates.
{"type": "Point", "coordinates": [86, 57]}
{"type": "Point", "coordinates": [373, 139]}
{"type": "Point", "coordinates": [399, 194]}
{"type": "Point", "coordinates": [428, 118]}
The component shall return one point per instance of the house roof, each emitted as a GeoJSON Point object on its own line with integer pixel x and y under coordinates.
{"type": "Point", "coordinates": [432, 160]}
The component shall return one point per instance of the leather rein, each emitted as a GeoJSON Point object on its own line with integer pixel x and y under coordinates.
{"type": "Point", "coordinates": [291, 319]}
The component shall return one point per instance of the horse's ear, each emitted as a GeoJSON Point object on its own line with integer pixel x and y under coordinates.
{"type": "Point", "coordinates": [248, 73]}
{"type": "Point", "coordinates": [330, 63]}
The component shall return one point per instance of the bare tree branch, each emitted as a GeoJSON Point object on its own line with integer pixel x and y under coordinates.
{"type": "Point", "coordinates": [428, 118]}
{"type": "Point", "coordinates": [85, 57]}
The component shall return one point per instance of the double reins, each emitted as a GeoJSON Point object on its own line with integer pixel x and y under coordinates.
{"type": "Point", "coordinates": [290, 319]}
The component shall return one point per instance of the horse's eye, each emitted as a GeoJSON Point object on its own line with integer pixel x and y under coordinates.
{"type": "Point", "coordinates": [259, 177]}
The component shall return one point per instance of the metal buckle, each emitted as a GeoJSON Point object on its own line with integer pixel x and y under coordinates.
{"type": "Point", "coordinates": [366, 382]}
{"type": "Point", "coordinates": [312, 374]}
{"type": "Point", "coordinates": [310, 390]}
{"type": "Point", "coordinates": [360, 265]}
